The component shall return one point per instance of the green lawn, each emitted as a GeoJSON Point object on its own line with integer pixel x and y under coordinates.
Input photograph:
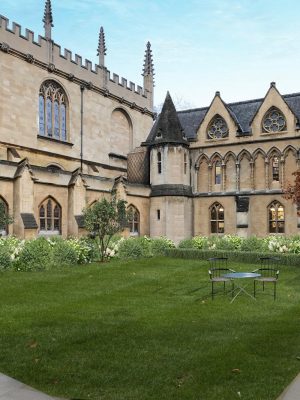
{"type": "Point", "coordinates": [147, 329]}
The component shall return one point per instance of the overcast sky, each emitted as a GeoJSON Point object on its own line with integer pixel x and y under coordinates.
{"type": "Point", "coordinates": [199, 46]}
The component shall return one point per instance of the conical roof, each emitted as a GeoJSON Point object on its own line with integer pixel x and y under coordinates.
{"type": "Point", "coordinates": [167, 128]}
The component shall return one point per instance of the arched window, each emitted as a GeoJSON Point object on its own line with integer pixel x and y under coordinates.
{"type": "Point", "coordinates": [52, 111]}
{"type": "Point", "coordinates": [159, 162]}
{"type": "Point", "coordinates": [276, 217]}
{"type": "Point", "coordinates": [3, 210]}
{"type": "Point", "coordinates": [217, 128]}
{"type": "Point", "coordinates": [50, 217]}
{"type": "Point", "coordinates": [218, 173]}
{"type": "Point", "coordinates": [217, 222]}
{"type": "Point", "coordinates": [275, 169]}
{"type": "Point", "coordinates": [273, 121]}
{"type": "Point", "coordinates": [134, 220]}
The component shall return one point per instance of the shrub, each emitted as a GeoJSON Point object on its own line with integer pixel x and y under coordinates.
{"type": "Point", "coordinates": [5, 258]}
{"type": "Point", "coordinates": [252, 243]}
{"type": "Point", "coordinates": [159, 245]}
{"type": "Point", "coordinates": [132, 248]}
{"type": "Point", "coordinates": [84, 249]}
{"type": "Point", "coordinates": [35, 255]}
{"type": "Point", "coordinates": [64, 253]}
{"type": "Point", "coordinates": [187, 244]}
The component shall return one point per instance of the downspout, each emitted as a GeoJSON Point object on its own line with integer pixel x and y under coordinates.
{"type": "Point", "coordinates": [81, 126]}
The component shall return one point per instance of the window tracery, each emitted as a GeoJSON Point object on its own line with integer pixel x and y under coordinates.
{"type": "Point", "coordinates": [52, 111]}
{"type": "Point", "coordinates": [217, 221]}
{"type": "Point", "coordinates": [50, 217]}
{"type": "Point", "coordinates": [274, 121]}
{"type": "Point", "coordinates": [217, 128]}
{"type": "Point", "coordinates": [134, 220]}
{"type": "Point", "coordinates": [276, 217]}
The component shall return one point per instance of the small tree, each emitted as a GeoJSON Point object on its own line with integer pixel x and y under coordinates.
{"type": "Point", "coordinates": [292, 191]}
{"type": "Point", "coordinates": [5, 218]}
{"type": "Point", "coordinates": [104, 219]}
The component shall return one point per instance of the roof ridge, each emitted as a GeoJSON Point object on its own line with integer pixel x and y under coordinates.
{"type": "Point", "coordinates": [238, 102]}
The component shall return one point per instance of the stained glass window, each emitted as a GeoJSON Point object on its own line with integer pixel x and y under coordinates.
{"type": "Point", "coordinates": [274, 121]}
{"type": "Point", "coordinates": [52, 111]}
{"type": "Point", "coordinates": [217, 222]}
{"type": "Point", "coordinates": [217, 128]}
{"type": "Point", "coordinates": [50, 217]}
{"type": "Point", "coordinates": [276, 217]}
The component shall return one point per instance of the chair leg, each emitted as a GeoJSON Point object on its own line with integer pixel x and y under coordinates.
{"type": "Point", "coordinates": [224, 287]}
{"type": "Point", "coordinates": [263, 286]}
{"type": "Point", "coordinates": [212, 290]}
{"type": "Point", "coordinates": [232, 288]}
{"type": "Point", "coordinates": [254, 291]}
{"type": "Point", "coordinates": [274, 290]}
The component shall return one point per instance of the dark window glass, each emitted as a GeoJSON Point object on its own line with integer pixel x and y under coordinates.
{"type": "Point", "coordinates": [42, 115]}
{"type": "Point", "coordinates": [50, 216]}
{"type": "Point", "coordinates": [133, 220]}
{"type": "Point", "coordinates": [275, 169]}
{"type": "Point", "coordinates": [218, 173]}
{"type": "Point", "coordinates": [159, 162]}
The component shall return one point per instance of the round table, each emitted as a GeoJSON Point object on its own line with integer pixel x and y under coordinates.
{"type": "Point", "coordinates": [241, 275]}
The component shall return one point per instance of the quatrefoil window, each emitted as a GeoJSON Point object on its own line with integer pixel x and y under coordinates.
{"type": "Point", "coordinates": [217, 128]}
{"type": "Point", "coordinates": [274, 121]}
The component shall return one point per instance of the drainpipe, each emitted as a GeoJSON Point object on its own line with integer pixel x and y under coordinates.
{"type": "Point", "coordinates": [81, 126]}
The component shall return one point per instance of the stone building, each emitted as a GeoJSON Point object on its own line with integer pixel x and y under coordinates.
{"type": "Point", "coordinates": [71, 132]}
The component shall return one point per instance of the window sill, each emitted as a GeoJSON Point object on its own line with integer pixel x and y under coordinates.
{"type": "Point", "coordinates": [50, 139]}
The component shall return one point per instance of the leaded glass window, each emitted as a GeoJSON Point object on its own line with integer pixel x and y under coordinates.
{"type": "Point", "coordinates": [217, 128]}
{"type": "Point", "coordinates": [4, 209]}
{"type": "Point", "coordinates": [52, 111]}
{"type": "Point", "coordinates": [276, 217]}
{"type": "Point", "coordinates": [275, 169]}
{"type": "Point", "coordinates": [50, 217]}
{"type": "Point", "coordinates": [218, 173]}
{"type": "Point", "coordinates": [217, 222]}
{"type": "Point", "coordinates": [274, 121]}
{"type": "Point", "coordinates": [134, 220]}
{"type": "Point", "coordinates": [159, 162]}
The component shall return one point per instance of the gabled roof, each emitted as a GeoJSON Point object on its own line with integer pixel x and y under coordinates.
{"type": "Point", "coordinates": [167, 128]}
{"type": "Point", "coordinates": [243, 112]}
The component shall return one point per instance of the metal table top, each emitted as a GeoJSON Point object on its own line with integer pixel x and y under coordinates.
{"type": "Point", "coordinates": [241, 275]}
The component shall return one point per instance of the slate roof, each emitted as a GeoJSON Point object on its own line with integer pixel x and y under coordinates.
{"type": "Point", "coordinates": [243, 112]}
{"type": "Point", "coordinates": [29, 221]}
{"type": "Point", "coordinates": [167, 127]}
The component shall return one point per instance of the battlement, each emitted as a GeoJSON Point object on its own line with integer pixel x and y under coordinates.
{"type": "Point", "coordinates": [43, 52]}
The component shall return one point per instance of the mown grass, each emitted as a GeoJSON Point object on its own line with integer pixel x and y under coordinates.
{"type": "Point", "coordinates": [147, 329]}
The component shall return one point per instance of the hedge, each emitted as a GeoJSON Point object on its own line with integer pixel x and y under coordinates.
{"type": "Point", "coordinates": [234, 256]}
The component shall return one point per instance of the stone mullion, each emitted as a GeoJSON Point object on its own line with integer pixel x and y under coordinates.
{"type": "Point", "coordinates": [223, 188]}
{"type": "Point", "coordinates": [267, 182]}
{"type": "Point", "coordinates": [252, 174]}
{"type": "Point", "coordinates": [195, 182]}
{"type": "Point", "coordinates": [237, 165]}
{"type": "Point", "coordinates": [209, 177]}
{"type": "Point", "coordinates": [282, 172]}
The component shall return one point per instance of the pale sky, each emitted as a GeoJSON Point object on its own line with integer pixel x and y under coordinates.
{"type": "Point", "coordinates": [199, 46]}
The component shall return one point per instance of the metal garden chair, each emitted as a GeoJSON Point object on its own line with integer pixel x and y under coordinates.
{"type": "Point", "coordinates": [269, 273]}
{"type": "Point", "coordinates": [219, 267]}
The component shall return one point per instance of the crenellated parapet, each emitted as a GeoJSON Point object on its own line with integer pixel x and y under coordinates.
{"type": "Point", "coordinates": [73, 67]}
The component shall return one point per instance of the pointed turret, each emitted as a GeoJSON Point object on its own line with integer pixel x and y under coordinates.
{"type": "Point", "coordinates": [101, 51]}
{"type": "Point", "coordinates": [148, 72]}
{"type": "Point", "coordinates": [48, 19]}
{"type": "Point", "coordinates": [167, 128]}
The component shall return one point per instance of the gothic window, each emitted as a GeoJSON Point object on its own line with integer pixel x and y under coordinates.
{"type": "Point", "coordinates": [274, 121]}
{"type": "Point", "coordinates": [217, 128]}
{"type": "Point", "coordinates": [276, 217]}
{"type": "Point", "coordinates": [159, 162]}
{"type": "Point", "coordinates": [275, 169]}
{"type": "Point", "coordinates": [217, 218]}
{"type": "Point", "coordinates": [218, 173]}
{"type": "Point", "coordinates": [52, 111]}
{"type": "Point", "coordinates": [134, 220]}
{"type": "Point", "coordinates": [4, 207]}
{"type": "Point", "coordinates": [50, 217]}
{"type": "Point", "coordinates": [184, 164]}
